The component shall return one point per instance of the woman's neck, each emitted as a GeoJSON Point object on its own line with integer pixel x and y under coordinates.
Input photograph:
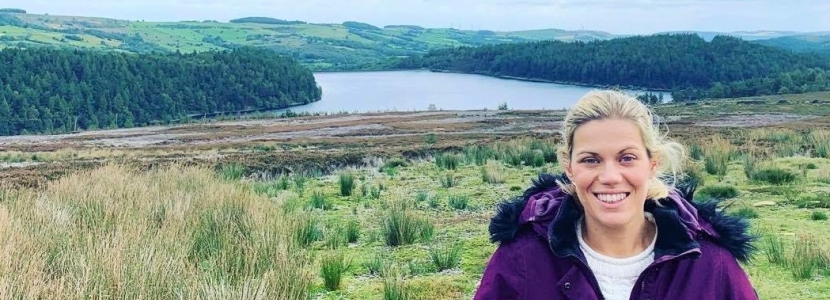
{"type": "Point", "coordinates": [619, 242]}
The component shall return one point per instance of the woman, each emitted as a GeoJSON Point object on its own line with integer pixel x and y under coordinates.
{"type": "Point", "coordinates": [614, 226]}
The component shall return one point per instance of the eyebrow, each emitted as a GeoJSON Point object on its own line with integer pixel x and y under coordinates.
{"type": "Point", "coordinates": [597, 154]}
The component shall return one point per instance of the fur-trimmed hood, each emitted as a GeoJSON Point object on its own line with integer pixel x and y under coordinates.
{"type": "Point", "coordinates": [544, 207]}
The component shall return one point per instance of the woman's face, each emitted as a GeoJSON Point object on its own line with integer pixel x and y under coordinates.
{"type": "Point", "coordinates": [610, 169]}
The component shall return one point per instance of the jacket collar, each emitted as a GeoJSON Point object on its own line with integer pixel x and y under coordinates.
{"type": "Point", "coordinates": [552, 214]}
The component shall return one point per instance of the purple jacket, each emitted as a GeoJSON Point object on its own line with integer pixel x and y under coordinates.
{"type": "Point", "coordinates": [695, 256]}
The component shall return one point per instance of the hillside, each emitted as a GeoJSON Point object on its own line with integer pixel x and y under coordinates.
{"type": "Point", "coordinates": [347, 46]}
{"type": "Point", "coordinates": [344, 46]}
{"type": "Point", "coordinates": [686, 64]}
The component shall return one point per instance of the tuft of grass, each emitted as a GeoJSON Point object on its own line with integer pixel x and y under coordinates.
{"type": "Point", "coordinates": [695, 152]}
{"type": "Point", "coordinates": [717, 155]}
{"type": "Point", "coordinates": [299, 182]}
{"type": "Point", "coordinates": [749, 165]}
{"type": "Point", "coordinates": [421, 196]}
{"type": "Point", "coordinates": [458, 202]}
{"type": "Point", "coordinates": [448, 180]}
{"type": "Point", "coordinates": [394, 288]}
{"type": "Point", "coordinates": [375, 264]}
{"type": "Point", "coordinates": [808, 257]}
{"type": "Point", "coordinates": [447, 257]}
{"type": "Point", "coordinates": [720, 192]}
{"type": "Point", "coordinates": [818, 215]}
{"type": "Point", "coordinates": [774, 249]}
{"type": "Point", "coordinates": [352, 231]}
{"type": "Point", "coordinates": [332, 268]}
{"type": "Point", "coordinates": [774, 175]}
{"type": "Point", "coordinates": [319, 201]}
{"type": "Point", "coordinates": [448, 161]}
{"type": "Point", "coordinates": [346, 180]}
{"type": "Point", "coordinates": [400, 226]}
{"type": "Point", "coordinates": [233, 171]}
{"type": "Point", "coordinates": [478, 154]}
{"type": "Point", "coordinates": [820, 141]}
{"type": "Point", "coordinates": [493, 173]}
{"type": "Point", "coordinates": [746, 213]}
{"type": "Point", "coordinates": [307, 229]}
{"type": "Point", "coordinates": [335, 237]}
{"type": "Point", "coordinates": [420, 267]}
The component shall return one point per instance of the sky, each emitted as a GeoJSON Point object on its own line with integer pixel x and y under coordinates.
{"type": "Point", "coordinates": [614, 16]}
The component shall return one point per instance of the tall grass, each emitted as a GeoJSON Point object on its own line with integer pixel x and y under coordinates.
{"type": "Point", "coordinates": [447, 257]}
{"type": "Point", "coordinates": [448, 180]}
{"type": "Point", "coordinates": [162, 234]}
{"type": "Point", "coordinates": [232, 171]}
{"type": "Point", "coordinates": [717, 155]}
{"type": "Point", "coordinates": [448, 161]}
{"type": "Point", "coordinates": [774, 249]}
{"type": "Point", "coordinates": [493, 172]}
{"type": "Point", "coordinates": [332, 268]}
{"type": "Point", "coordinates": [401, 226]}
{"type": "Point", "coordinates": [346, 180]}
{"type": "Point", "coordinates": [820, 142]}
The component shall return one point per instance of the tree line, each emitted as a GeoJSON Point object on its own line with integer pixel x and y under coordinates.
{"type": "Point", "coordinates": [46, 90]}
{"type": "Point", "coordinates": [685, 64]}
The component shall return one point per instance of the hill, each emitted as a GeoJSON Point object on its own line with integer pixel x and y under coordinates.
{"type": "Point", "coordinates": [686, 64]}
{"type": "Point", "coordinates": [347, 46]}
{"type": "Point", "coordinates": [351, 45]}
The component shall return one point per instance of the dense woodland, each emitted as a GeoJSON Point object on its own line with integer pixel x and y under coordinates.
{"type": "Point", "coordinates": [49, 91]}
{"type": "Point", "coordinates": [685, 64]}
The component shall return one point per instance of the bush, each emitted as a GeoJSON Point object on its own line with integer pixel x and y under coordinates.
{"type": "Point", "coordinates": [818, 216]}
{"type": "Point", "coordinates": [421, 196]}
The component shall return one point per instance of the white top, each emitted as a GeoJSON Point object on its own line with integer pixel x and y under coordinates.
{"type": "Point", "coordinates": [616, 276]}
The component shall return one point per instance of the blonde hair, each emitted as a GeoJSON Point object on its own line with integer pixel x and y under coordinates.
{"type": "Point", "coordinates": [599, 105]}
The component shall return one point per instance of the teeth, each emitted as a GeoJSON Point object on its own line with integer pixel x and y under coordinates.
{"type": "Point", "coordinates": [611, 198]}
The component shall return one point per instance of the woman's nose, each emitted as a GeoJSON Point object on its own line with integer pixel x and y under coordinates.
{"type": "Point", "coordinates": [610, 174]}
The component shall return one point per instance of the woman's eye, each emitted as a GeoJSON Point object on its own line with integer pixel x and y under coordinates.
{"type": "Point", "coordinates": [627, 158]}
{"type": "Point", "coordinates": [590, 160]}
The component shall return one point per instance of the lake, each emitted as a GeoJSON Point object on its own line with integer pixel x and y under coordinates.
{"type": "Point", "coordinates": [418, 90]}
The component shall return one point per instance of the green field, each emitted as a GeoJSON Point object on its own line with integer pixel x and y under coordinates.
{"type": "Point", "coordinates": [240, 229]}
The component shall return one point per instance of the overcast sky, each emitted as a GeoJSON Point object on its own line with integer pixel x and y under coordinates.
{"type": "Point", "coordinates": [615, 16]}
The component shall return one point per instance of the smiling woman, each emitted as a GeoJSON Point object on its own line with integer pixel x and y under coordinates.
{"type": "Point", "coordinates": [614, 226]}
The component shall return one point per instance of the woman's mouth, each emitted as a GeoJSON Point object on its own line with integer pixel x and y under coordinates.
{"type": "Point", "coordinates": [611, 198]}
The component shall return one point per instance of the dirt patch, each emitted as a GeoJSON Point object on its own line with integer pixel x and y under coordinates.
{"type": "Point", "coordinates": [753, 120]}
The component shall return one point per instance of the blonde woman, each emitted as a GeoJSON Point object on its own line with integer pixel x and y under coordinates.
{"type": "Point", "coordinates": [613, 226]}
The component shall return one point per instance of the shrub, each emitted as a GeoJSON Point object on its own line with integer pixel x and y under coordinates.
{"type": "Point", "coordinates": [421, 196]}
{"type": "Point", "coordinates": [818, 216]}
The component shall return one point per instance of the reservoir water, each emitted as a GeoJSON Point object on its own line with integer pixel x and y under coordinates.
{"type": "Point", "coordinates": [421, 90]}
